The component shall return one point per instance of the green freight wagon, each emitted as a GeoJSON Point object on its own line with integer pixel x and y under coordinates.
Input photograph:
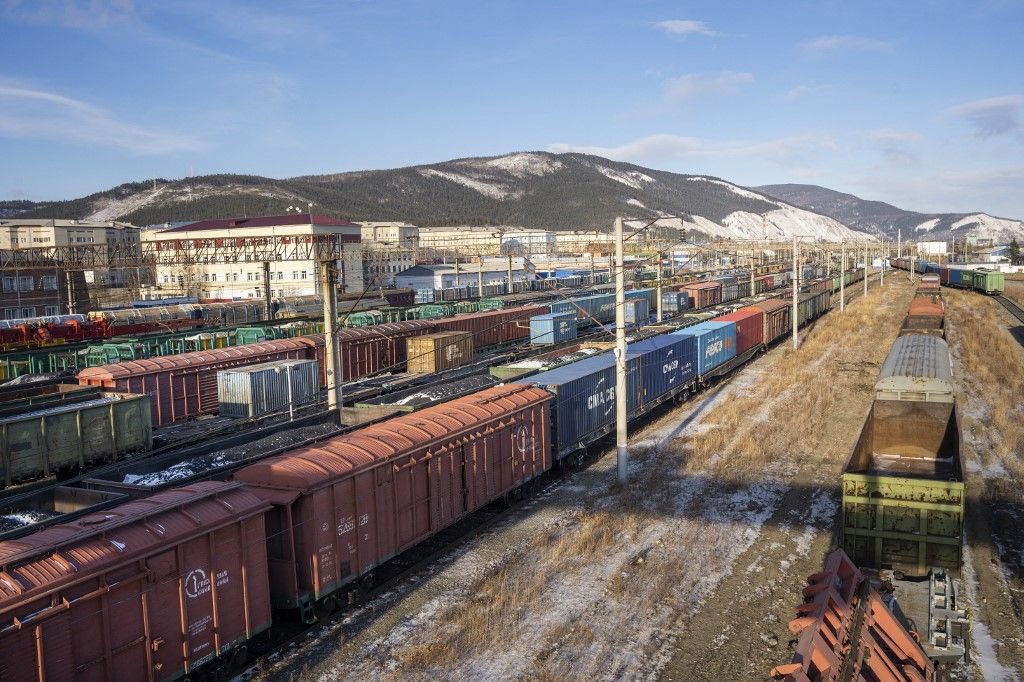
{"type": "Point", "coordinates": [70, 437]}
{"type": "Point", "coordinates": [903, 489]}
{"type": "Point", "coordinates": [988, 281]}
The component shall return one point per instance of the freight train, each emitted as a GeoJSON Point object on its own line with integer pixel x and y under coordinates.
{"type": "Point", "coordinates": [903, 495]}
{"type": "Point", "coordinates": [158, 588]}
{"type": "Point", "coordinates": [975, 278]}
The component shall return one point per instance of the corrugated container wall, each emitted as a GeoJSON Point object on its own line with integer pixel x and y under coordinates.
{"type": "Point", "coordinates": [667, 365]}
{"type": "Point", "coordinates": [584, 391]}
{"type": "Point", "coordinates": [704, 294]}
{"type": "Point", "coordinates": [259, 389]}
{"type": "Point", "coordinates": [674, 301]}
{"type": "Point", "coordinates": [437, 352]}
{"type": "Point", "coordinates": [552, 328]}
{"type": "Point", "coordinates": [749, 328]}
{"type": "Point", "coordinates": [716, 344]}
{"type": "Point", "coordinates": [637, 311]}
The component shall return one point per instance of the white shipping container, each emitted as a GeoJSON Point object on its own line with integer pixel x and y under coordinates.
{"type": "Point", "coordinates": [259, 389]}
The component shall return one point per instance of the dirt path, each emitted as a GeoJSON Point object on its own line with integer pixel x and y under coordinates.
{"type": "Point", "coordinates": [692, 571]}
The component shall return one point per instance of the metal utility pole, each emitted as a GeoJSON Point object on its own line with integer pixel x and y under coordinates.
{"type": "Point", "coordinates": [510, 287]}
{"type": "Point", "coordinates": [660, 273]}
{"type": "Point", "coordinates": [753, 288]}
{"type": "Point", "coordinates": [899, 243]}
{"type": "Point", "coordinates": [621, 450]}
{"type": "Point", "coordinates": [865, 268]}
{"type": "Point", "coordinates": [457, 282]}
{"type": "Point", "coordinates": [480, 277]}
{"type": "Point", "coordinates": [267, 299]}
{"type": "Point", "coordinates": [842, 276]}
{"type": "Point", "coordinates": [796, 288]}
{"type": "Point", "coordinates": [71, 292]}
{"type": "Point", "coordinates": [332, 350]}
{"type": "Point", "coordinates": [593, 268]}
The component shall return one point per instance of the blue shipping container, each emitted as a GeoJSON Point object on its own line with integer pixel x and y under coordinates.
{"type": "Point", "coordinates": [954, 276]}
{"type": "Point", "coordinates": [716, 344]}
{"type": "Point", "coordinates": [552, 328]}
{"type": "Point", "coordinates": [584, 406]}
{"type": "Point", "coordinates": [667, 364]}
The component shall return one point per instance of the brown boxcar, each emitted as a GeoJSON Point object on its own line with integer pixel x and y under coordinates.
{"type": "Point", "coordinates": [703, 294]}
{"type": "Point", "coordinates": [437, 352]}
{"type": "Point", "coordinates": [351, 502]}
{"type": "Point", "coordinates": [749, 323]}
{"type": "Point", "coordinates": [185, 386]}
{"type": "Point", "coordinates": [149, 590]}
{"type": "Point", "coordinates": [382, 347]}
{"type": "Point", "coordinates": [776, 318]}
{"type": "Point", "coordinates": [494, 327]}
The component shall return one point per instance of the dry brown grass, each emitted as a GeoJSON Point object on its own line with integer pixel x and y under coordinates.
{"type": "Point", "coordinates": [1015, 288]}
{"type": "Point", "coordinates": [778, 421]}
{"type": "Point", "coordinates": [991, 387]}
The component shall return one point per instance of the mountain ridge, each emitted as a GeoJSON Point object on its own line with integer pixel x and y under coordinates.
{"type": "Point", "coordinates": [568, 191]}
{"type": "Point", "coordinates": [883, 219]}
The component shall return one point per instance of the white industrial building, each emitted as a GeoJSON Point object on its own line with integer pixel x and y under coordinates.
{"type": "Point", "coordinates": [236, 279]}
{"type": "Point", "coordinates": [492, 271]}
{"type": "Point", "coordinates": [388, 248]}
{"type": "Point", "coordinates": [931, 248]}
{"type": "Point", "coordinates": [26, 233]}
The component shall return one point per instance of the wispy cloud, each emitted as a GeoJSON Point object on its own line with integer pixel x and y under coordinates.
{"type": "Point", "coordinates": [664, 146]}
{"type": "Point", "coordinates": [993, 116]}
{"type": "Point", "coordinates": [686, 27]}
{"type": "Point", "coordinates": [697, 85]}
{"type": "Point", "coordinates": [805, 90]}
{"type": "Point", "coordinates": [837, 43]}
{"type": "Point", "coordinates": [28, 112]}
{"type": "Point", "coordinates": [896, 145]}
{"type": "Point", "coordinates": [994, 190]}
{"type": "Point", "coordinates": [79, 14]}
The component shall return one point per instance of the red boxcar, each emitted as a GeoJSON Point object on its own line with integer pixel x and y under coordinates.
{"type": "Point", "coordinates": [354, 501]}
{"type": "Point", "coordinates": [749, 328]}
{"type": "Point", "coordinates": [365, 350]}
{"type": "Point", "coordinates": [185, 386]}
{"type": "Point", "coordinates": [776, 319]}
{"type": "Point", "coordinates": [494, 327]}
{"type": "Point", "coordinates": [703, 294]}
{"type": "Point", "coordinates": [149, 590]}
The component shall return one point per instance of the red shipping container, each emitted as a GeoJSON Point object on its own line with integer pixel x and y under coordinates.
{"type": "Point", "coordinates": [494, 327]}
{"type": "Point", "coordinates": [703, 294]}
{"type": "Point", "coordinates": [354, 501]}
{"type": "Point", "coordinates": [749, 323]}
{"type": "Point", "coordinates": [149, 590]}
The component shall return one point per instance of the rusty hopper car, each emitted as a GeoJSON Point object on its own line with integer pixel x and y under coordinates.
{"type": "Point", "coordinates": [149, 590]}
{"type": "Point", "coordinates": [925, 316]}
{"type": "Point", "coordinates": [918, 368]}
{"type": "Point", "coordinates": [903, 489]}
{"type": "Point", "coordinates": [348, 504]}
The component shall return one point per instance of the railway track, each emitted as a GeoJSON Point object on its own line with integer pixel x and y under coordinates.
{"type": "Point", "coordinates": [1012, 306]}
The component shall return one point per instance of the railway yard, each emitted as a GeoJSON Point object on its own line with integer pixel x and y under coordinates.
{"type": "Point", "coordinates": [181, 502]}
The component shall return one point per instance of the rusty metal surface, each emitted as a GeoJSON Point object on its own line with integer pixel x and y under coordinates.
{"type": "Point", "coordinates": [355, 501]}
{"type": "Point", "coordinates": [846, 633]}
{"type": "Point", "coordinates": [150, 589]}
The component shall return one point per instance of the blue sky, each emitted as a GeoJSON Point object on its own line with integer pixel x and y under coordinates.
{"type": "Point", "coordinates": [917, 103]}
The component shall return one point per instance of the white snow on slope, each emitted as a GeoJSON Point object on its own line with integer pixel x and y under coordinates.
{"type": "Point", "coordinates": [114, 209]}
{"type": "Point", "coordinates": [927, 226]}
{"type": "Point", "coordinates": [634, 179]}
{"type": "Point", "coordinates": [736, 189]}
{"type": "Point", "coordinates": [519, 165]}
{"type": "Point", "coordinates": [493, 190]}
{"type": "Point", "coordinates": [635, 202]}
{"type": "Point", "coordinates": [989, 227]}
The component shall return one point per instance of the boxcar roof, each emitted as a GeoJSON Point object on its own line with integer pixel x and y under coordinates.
{"type": "Point", "coordinates": [318, 465]}
{"type": "Point", "coordinates": [109, 537]}
{"type": "Point", "coordinates": [918, 356]}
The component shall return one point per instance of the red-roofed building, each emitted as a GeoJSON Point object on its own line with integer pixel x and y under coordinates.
{"type": "Point", "coordinates": [238, 274]}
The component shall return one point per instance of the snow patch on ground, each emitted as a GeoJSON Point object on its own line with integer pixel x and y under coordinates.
{"type": "Point", "coordinates": [982, 642]}
{"type": "Point", "coordinates": [789, 221]}
{"type": "Point", "coordinates": [989, 227]}
{"type": "Point", "coordinates": [493, 190]}
{"type": "Point", "coordinates": [634, 202]}
{"type": "Point", "coordinates": [927, 225]}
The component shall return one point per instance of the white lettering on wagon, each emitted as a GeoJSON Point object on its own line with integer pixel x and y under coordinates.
{"type": "Point", "coordinates": [346, 526]}
{"type": "Point", "coordinates": [197, 583]}
{"type": "Point", "coordinates": [714, 348]}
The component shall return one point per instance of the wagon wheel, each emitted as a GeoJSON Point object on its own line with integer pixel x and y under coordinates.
{"type": "Point", "coordinates": [323, 608]}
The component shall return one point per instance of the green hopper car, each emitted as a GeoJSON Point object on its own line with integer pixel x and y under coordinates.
{"type": "Point", "coordinates": [903, 489]}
